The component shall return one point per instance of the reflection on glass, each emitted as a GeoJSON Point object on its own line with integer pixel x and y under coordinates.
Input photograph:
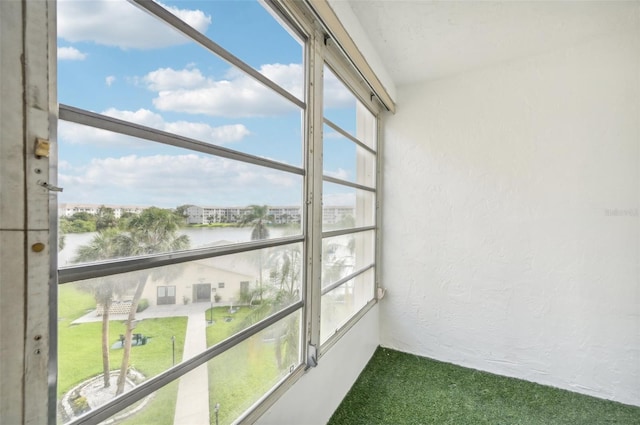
{"type": "Point", "coordinates": [140, 319]}
{"type": "Point", "coordinates": [343, 255]}
{"type": "Point", "coordinates": [346, 160]}
{"type": "Point", "coordinates": [112, 182]}
{"type": "Point", "coordinates": [345, 207]}
{"type": "Point", "coordinates": [266, 281]}
{"type": "Point", "coordinates": [340, 304]}
{"type": "Point", "coordinates": [242, 375]}
{"type": "Point", "coordinates": [343, 109]}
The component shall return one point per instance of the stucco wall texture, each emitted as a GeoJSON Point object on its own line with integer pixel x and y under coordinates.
{"type": "Point", "coordinates": [511, 230]}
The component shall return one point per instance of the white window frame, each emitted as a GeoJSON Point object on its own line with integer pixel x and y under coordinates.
{"type": "Point", "coordinates": [319, 49]}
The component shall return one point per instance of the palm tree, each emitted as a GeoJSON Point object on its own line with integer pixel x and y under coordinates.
{"type": "Point", "coordinates": [103, 246]}
{"type": "Point", "coordinates": [106, 218]}
{"type": "Point", "coordinates": [286, 274]}
{"type": "Point", "coordinates": [285, 267]}
{"type": "Point", "coordinates": [153, 230]}
{"type": "Point", "coordinates": [258, 217]}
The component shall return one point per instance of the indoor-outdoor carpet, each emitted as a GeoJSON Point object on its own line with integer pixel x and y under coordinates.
{"type": "Point", "coordinates": [397, 388]}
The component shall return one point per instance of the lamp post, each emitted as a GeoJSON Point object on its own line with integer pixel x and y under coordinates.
{"type": "Point", "coordinates": [173, 349]}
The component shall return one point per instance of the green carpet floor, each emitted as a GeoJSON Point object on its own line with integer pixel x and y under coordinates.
{"type": "Point", "coordinates": [397, 388]}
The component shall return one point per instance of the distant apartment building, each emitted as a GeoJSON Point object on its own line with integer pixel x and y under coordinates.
{"type": "Point", "coordinates": [277, 214]}
{"type": "Point", "coordinates": [69, 209]}
{"type": "Point", "coordinates": [208, 215]}
{"type": "Point", "coordinates": [333, 215]}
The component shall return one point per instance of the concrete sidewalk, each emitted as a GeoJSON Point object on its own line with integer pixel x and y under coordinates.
{"type": "Point", "coordinates": [192, 403]}
{"type": "Point", "coordinates": [172, 310]}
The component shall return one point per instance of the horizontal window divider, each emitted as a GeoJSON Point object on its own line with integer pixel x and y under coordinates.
{"type": "Point", "coordinates": [348, 135]}
{"type": "Point", "coordinates": [333, 233]}
{"type": "Point", "coordinates": [348, 324]}
{"type": "Point", "coordinates": [348, 183]}
{"type": "Point", "coordinates": [161, 13]}
{"type": "Point", "coordinates": [92, 119]}
{"type": "Point", "coordinates": [125, 400]}
{"type": "Point", "coordinates": [124, 265]}
{"type": "Point", "coordinates": [345, 279]}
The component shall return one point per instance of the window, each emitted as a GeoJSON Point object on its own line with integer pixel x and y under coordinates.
{"type": "Point", "coordinates": [186, 149]}
{"type": "Point", "coordinates": [349, 197]}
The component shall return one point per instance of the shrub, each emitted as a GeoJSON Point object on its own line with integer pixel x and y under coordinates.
{"type": "Point", "coordinates": [143, 304]}
{"type": "Point", "coordinates": [80, 405]}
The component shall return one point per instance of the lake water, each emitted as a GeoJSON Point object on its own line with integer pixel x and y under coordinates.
{"type": "Point", "coordinates": [199, 237]}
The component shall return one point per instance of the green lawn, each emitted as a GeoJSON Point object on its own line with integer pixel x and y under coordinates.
{"type": "Point", "coordinates": [222, 329]}
{"type": "Point", "coordinates": [238, 377]}
{"type": "Point", "coordinates": [161, 409]}
{"type": "Point", "coordinates": [398, 388]}
{"type": "Point", "coordinates": [80, 350]}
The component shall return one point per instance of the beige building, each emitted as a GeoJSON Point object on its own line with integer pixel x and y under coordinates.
{"type": "Point", "coordinates": [199, 282]}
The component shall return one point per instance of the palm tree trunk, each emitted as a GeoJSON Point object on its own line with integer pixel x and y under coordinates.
{"type": "Point", "coordinates": [122, 377]}
{"type": "Point", "coordinates": [105, 343]}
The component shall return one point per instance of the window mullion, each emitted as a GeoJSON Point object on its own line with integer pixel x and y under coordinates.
{"type": "Point", "coordinates": [314, 195]}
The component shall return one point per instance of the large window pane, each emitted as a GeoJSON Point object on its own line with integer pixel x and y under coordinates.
{"type": "Point", "coordinates": [346, 160]}
{"type": "Point", "coordinates": [175, 85]}
{"type": "Point", "coordinates": [345, 207]}
{"type": "Point", "coordinates": [250, 31]}
{"type": "Point", "coordinates": [175, 312]}
{"type": "Point", "coordinates": [343, 109]}
{"type": "Point", "coordinates": [265, 282]}
{"type": "Point", "coordinates": [343, 255]}
{"type": "Point", "coordinates": [242, 375]}
{"type": "Point", "coordinates": [340, 304]}
{"type": "Point", "coordinates": [221, 390]}
{"type": "Point", "coordinates": [111, 181]}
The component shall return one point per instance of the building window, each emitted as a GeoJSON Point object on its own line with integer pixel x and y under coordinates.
{"type": "Point", "coordinates": [191, 150]}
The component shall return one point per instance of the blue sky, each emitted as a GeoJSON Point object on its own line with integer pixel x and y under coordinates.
{"type": "Point", "coordinates": [115, 59]}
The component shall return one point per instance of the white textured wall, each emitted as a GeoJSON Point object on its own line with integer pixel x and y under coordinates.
{"type": "Point", "coordinates": [511, 229]}
{"type": "Point", "coordinates": [313, 399]}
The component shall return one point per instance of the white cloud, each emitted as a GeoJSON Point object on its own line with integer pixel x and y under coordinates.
{"type": "Point", "coordinates": [237, 95]}
{"type": "Point", "coordinates": [192, 178]}
{"type": "Point", "coordinates": [340, 173]}
{"type": "Point", "coordinates": [336, 95]}
{"type": "Point", "coordinates": [167, 79]}
{"type": "Point", "coordinates": [121, 24]}
{"type": "Point", "coordinates": [77, 134]}
{"type": "Point", "coordinates": [71, 54]}
{"type": "Point", "coordinates": [110, 80]}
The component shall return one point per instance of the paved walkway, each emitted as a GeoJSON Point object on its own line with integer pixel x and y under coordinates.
{"type": "Point", "coordinates": [192, 403]}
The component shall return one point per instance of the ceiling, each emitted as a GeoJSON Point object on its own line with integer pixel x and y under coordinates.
{"type": "Point", "coordinates": [422, 40]}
